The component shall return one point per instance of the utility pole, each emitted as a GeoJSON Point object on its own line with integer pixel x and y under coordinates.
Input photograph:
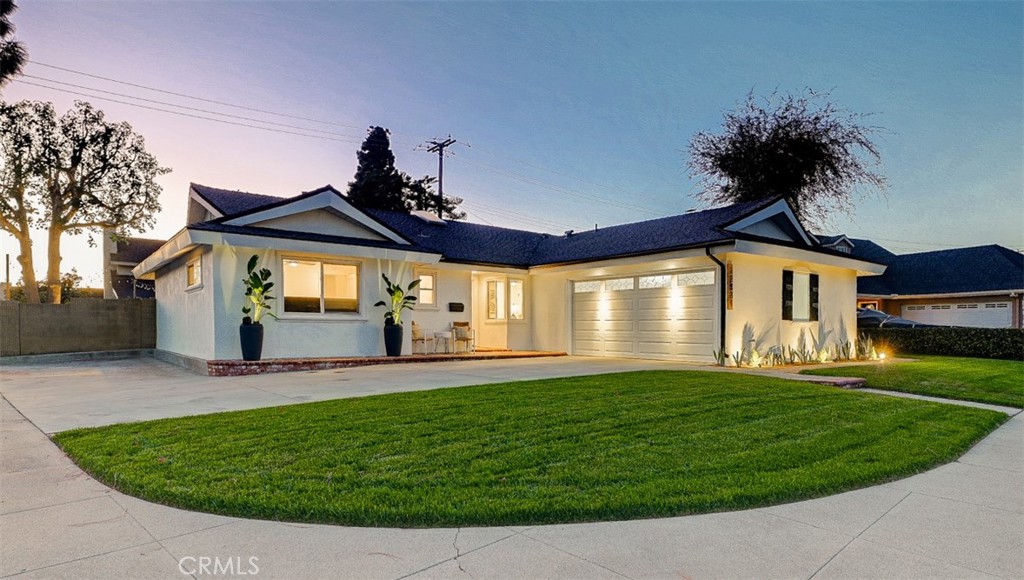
{"type": "Point", "coordinates": [439, 147]}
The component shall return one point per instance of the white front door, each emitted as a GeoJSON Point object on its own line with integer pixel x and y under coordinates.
{"type": "Point", "coordinates": [670, 315]}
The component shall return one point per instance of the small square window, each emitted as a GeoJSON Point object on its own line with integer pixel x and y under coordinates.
{"type": "Point", "coordinates": [427, 292]}
{"type": "Point", "coordinates": [194, 274]}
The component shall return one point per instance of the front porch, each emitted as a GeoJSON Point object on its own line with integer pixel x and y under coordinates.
{"type": "Point", "coordinates": [235, 368]}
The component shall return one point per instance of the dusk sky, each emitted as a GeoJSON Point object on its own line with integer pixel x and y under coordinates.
{"type": "Point", "coordinates": [576, 113]}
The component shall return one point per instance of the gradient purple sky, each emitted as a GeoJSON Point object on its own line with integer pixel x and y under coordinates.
{"type": "Point", "coordinates": [577, 113]}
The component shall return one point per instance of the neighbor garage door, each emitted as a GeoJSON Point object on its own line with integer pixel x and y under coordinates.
{"type": "Point", "coordinates": [659, 315]}
{"type": "Point", "coordinates": [977, 314]}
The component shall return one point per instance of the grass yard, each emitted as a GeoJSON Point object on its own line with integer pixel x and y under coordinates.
{"type": "Point", "coordinates": [999, 382]}
{"type": "Point", "coordinates": [630, 445]}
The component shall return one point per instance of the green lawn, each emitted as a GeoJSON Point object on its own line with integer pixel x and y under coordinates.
{"type": "Point", "coordinates": [631, 445]}
{"type": "Point", "coordinates": [999, 382]}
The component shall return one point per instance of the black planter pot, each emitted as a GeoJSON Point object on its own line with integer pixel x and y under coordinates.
{"type": "Point", "coordinates": [251, 336]}
{"type": "Point", "coordinates": [393, 339]}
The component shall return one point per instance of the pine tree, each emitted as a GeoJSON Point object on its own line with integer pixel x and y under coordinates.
{"type": "Point", "coordinates": [420, 195]}
{"type": "Point", "coordinates": [377, 183]}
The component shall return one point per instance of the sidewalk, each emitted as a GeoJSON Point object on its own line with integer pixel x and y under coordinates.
{"type": "Point", "coordinates": [964, 520]}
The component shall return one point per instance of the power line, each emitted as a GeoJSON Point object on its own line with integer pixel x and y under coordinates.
{"type": "Point", "coordinates": [439, 147]}
{"type": "Point", "coordinates": [559, 189]}
{"type": "Point", "coordinates": [193, 97]}
{"type": "Point", "coordinates": [526, 221]}
{"type": "Point", "coordinates": [179, 113]}
{"type": "Point", "coordinates": [521, 161]}
{"type": "Point", "coordinates": [347, 138]}
{"type": "Point", "coordinates": [187, 108]}
{"type": "Point", "coordinates": [498, 211]}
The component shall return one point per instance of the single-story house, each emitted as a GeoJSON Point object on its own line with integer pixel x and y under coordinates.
{"type": "Point", "coordinates": [678, 288]}
{"type": "Point", "coordinates": [979, 286]}
{"type": "Point", "coordinates": [120, 256]}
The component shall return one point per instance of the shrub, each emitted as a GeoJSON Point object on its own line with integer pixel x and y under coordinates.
{"type": "Point", "coordinates": [1002, 343]}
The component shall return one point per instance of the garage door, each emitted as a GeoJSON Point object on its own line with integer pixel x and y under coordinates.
{"type": "Point", "coordinates": [977, 314]}
{"type": "Point", "coordinates": [660, 315]}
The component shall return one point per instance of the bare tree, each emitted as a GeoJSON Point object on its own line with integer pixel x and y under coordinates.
{"type": "Point", "coordinates": [801, 147]}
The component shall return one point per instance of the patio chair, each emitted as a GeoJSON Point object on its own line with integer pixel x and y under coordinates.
{"type": "Point", "coordinates": [464, 333]}
{"type": "Point", "coordinates": [421, 337]}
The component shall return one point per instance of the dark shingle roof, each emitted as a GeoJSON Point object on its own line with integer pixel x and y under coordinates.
{"type": "Point", "coordinates": [977, 269]}
{"type": "Point", "coordinates": [463, 241]}
{"type": "Point", "coordinates": [480, 244]}
{"type": "Point", "coordinates": [135, 250]}
{"type": "Point", "coordinates": [870, 251]}
{"type": "Point", "coordinates": [229, 202]}
{"type": "Point", "coordinates": [475, 243]}
{"type": "Point", "coordinates": [647, 237]}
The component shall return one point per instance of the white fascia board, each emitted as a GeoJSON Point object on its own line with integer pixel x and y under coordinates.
{"type": "Point", "coordinates": [862, 267]}
{"type": "Point", "coordinates": [992, 293]}
{"type": "Point", "coordinates": [482, 268]}
{"type": "Point", "coordinates": [772, 210]}
{"type": "Point", "coordinates": [167, 253]}
{"type": "Point", "coordinates": [323, 200]}
{"type": "Point", "coordinates": [700, 252]}
{"type": "Point", "coordinates": [312, 247]}
{"type": "Point", "coordinates": [193, 195]}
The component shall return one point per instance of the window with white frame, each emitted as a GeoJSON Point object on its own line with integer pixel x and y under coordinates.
{"type": "Point", "coordinates": [799, 296]}
{"type": "Point", "coordinates": [194, 273]}
{"type": "Point", "coordinates": [516, 299]}
{"type": "Point", "coordinates": [318, 287]}
{"type": "Point", "coordinates": [495, 300]}
{"type": "Point", "coordinates": [427, 289]}
{"type": "Point", "coordinates": [587, 286]}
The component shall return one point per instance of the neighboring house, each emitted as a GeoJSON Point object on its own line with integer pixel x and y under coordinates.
{"type": "Point", "coordinates": [979, 286]}
{"type": "Point", "coordinates": [674, 288]}
{"type": "Point", "coordinates": [119, 257]}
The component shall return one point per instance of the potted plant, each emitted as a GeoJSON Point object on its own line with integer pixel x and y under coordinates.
{"type": "Point", "coordinates": [257, 293]}
{"type": "Point", "coordinates": [398, 301]}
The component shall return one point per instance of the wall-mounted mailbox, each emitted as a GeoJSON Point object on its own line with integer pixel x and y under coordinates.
{"type": "Point", "coordinates": [456, 307]}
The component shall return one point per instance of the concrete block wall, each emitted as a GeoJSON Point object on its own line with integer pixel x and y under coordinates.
{"type": "Point", "coordinates": [82, 325]}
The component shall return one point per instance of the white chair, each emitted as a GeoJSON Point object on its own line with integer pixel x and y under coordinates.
{"type": "Point", "coordinates": [421, 337]}
{"type": "Point", "coordinates": [464, 333]}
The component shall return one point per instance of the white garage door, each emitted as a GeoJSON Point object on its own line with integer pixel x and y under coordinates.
{"type": "Point", "coordinates": [977, 314]}
{"type": "Point", "coordinates": [661, 315]}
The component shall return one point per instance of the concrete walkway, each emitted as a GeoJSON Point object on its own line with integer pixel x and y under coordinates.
{"type": "Point", "coordinates": [963, 520]}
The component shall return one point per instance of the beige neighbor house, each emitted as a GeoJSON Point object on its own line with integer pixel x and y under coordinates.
{"type": "Point", "coordinates": [676, 288]}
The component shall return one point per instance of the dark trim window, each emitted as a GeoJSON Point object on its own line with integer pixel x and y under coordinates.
{"type": "Point", "coordinates": [799, 296]}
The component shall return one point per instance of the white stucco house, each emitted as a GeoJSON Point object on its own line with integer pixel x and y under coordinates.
{"type": "Point", "coordinates": [678, 287]}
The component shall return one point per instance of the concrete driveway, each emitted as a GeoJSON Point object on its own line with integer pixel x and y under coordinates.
{"type": "Point", "coordinates": [962, 520]}
{"type": "Point", "coordinates": [57, 397]}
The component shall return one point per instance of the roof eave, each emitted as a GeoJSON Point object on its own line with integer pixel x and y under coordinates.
{"type": "Point", "coordinates": [1008, 293]}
